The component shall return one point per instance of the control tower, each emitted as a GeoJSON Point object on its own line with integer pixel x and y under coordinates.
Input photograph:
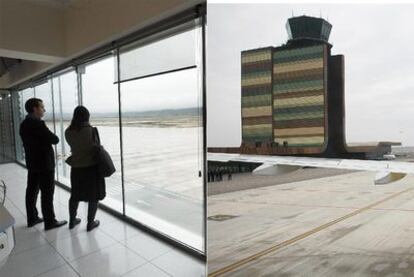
{"type": "Point", "coordinates": [292, 97]}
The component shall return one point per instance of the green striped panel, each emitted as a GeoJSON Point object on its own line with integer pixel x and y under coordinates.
{"type": "Point", "coordinates": [265, 136]}
{"type": "Point", "coordinates": [254, 101]}
{"type": "Point", "coordinates": [298, 52]}
{"type": "Point", "coordinates": [293, 110]}
{"type": "Point", "coordinates": [297, 115]}
{"type": "Point", "coordinates": [307, 74]}
{"type": "Point", "coordinates": [257, 74]}
{"type": "Point", "coordinates": [298, 94]}
{"type": "Point", "coordinates": [298, 66]}
{"type": "Point", "coordinates": [298, 78]}
{"type": "Point", "coordinates": [257, 128]}
{"type": "Point", "coordinates": [297, 58]}
{"type": "Point", "coordinates": [297, 86]}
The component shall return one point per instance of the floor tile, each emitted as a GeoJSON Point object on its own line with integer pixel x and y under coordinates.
{"type": "Point", "coordinates": [26, 238]}
{"type": "Point", "coordinates": [114, 260]}
{"type": "Point", "coordinates": [120, 230]}
{"type": "Point", "coordinates": [82, 244]}
{"type": "Point", "coordinates": [178, 264]}
{"type": "Point", "coordinates": [63, 232]}
{"type": "Point", "coordinates": [147, 246]}
{"type": "Point", "coordinates": [63, 271]}
{"type": "Point", "coordinates": [13, 210]}
{"type": "Point", "coordinates": [32, 262]}
{"type": "Point", "coordinates": [147, 270]}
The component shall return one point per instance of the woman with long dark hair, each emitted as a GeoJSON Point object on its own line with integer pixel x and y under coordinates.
{"type": "Point", "coordinates": [87, 184]}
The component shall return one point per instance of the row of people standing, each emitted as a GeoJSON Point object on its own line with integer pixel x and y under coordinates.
{"type": "Point", "coordinates": [86, 182]}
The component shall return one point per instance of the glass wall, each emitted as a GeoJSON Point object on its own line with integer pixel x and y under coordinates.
{"type": "Point", "coordinates": [162, 151]}
{"type": "Point", "coordinates": [162, 130]}
{"type": "Point", "coordinates": [145, 98]}
{"type": "Point", "coordinates": [65, 96]}
{"type": "Point", "coordinates": [100, 97]}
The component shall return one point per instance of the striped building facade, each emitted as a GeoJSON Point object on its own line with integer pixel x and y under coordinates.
{"type": "Point", "coordinates": [256, 98]}
{"type": "Point", "coordinates": [299, 92]}
{"type": "Point", "coordinates": [284, 96]}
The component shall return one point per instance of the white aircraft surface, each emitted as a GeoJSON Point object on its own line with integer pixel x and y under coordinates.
{"type": "Point", "coordinates": [387, 171]}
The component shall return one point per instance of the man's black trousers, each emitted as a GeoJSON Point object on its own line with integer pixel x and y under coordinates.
{"type": "Point", "coordinates": [45, 182]}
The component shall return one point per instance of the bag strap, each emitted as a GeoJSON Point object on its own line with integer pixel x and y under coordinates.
{"type": "Point", "coordinates": [95, 136]}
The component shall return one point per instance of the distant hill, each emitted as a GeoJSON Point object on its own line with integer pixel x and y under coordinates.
{"type": "Point", "coordinates": [164, 113]}
{"type": "Point", "coordinates": [157, 113]}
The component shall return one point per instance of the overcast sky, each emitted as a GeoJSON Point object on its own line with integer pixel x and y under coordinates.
{"type": "Point", "coordinates": [377, 41]}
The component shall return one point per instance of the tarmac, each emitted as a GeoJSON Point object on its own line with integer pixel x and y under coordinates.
{"type": "Point", "coordinates": [340, 225]}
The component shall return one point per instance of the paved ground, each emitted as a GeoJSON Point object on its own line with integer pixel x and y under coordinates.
{"type": "Point", "coordinates": [243, 181]}
{"type": "Point", "coordinates": [335, 226]}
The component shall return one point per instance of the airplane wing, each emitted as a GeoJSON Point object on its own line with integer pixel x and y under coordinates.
{"type": "Point", "coordinates": [387, 171]}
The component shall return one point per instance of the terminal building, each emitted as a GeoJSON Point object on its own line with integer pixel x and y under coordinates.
{"type": "Point", "coordinates": [292, 98]}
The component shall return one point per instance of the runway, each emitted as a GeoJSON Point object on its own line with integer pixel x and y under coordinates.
{"type": "Point", "coordinates": [335, 226]}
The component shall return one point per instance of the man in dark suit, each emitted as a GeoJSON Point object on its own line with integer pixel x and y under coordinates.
{"type": "Point", "coordinates": [40, 161]}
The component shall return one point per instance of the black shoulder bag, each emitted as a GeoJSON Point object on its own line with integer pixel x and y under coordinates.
{"type": "Point", "coordinates": [105, 164]}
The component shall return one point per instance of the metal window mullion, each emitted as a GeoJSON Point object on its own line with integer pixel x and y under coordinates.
{"type": "Point", "coordinates": [118, 71]}
{"type": "Point", "coordinates": [16, 120]}
{"type": "Point", "coordinates": [13, 125]}
{"type": "Point", "coordinates": [52, 90]}
{"type": "Point", "coordinates": [3, 147]}
{"type": "Point", "coordinates": [204, 102]}
{"type": "Point", "coordinates": [53, 105]}
{"type": "Point", "coordinates": [61, 124]}
{"type": "Point", "coordinates": [79, 85]}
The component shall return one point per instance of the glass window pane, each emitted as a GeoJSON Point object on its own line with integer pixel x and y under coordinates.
{"type": "Point", "coordinates": [170, 53]}
{"type": "Point", "coordinates": [162, 145]}
{"type": "Point", "coordinates": [44, 92]}
{"type": "Point", "coordinates": [100, 97]}
{"type": "Point", "coordinates": [65, 96]}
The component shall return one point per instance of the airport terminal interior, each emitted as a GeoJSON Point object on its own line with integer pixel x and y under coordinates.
{"type": "Point", "coordinates": [138, 68]}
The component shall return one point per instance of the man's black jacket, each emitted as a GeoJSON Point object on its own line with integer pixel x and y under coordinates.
{"type": "Point", "coordinates": [37, 142]}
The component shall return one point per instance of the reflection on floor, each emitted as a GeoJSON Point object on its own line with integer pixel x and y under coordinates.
{"type": "Point", "coordinates": [113, 249]}
{"type": "Point", "coordinates": [335, 226]}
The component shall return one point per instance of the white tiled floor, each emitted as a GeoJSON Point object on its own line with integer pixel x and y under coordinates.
{"type": "Point", "coordinates": [113, 249]}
